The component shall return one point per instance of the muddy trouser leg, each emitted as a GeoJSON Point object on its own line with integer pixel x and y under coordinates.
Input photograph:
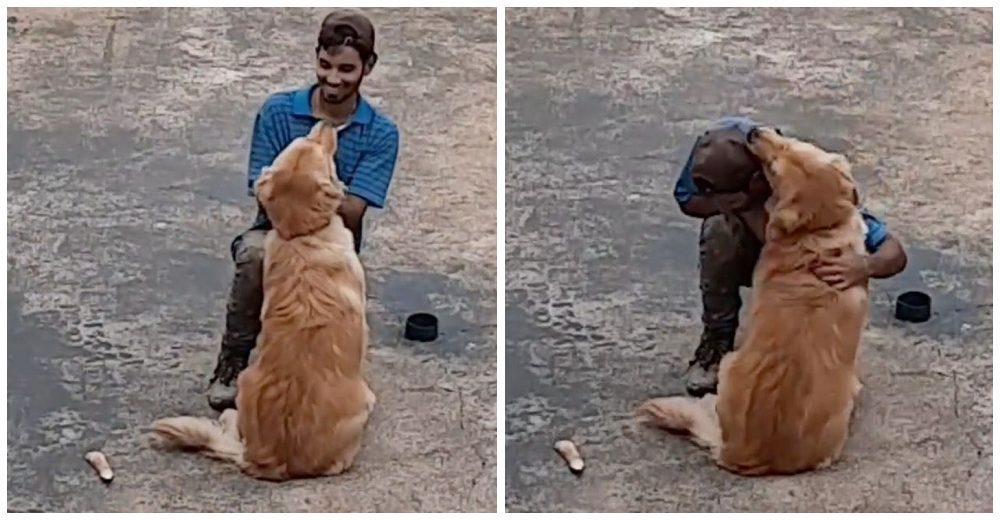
{"type": "Point", "coordinates": [728, 253]}
{"type": "Point", "coordinates": [243, 309]}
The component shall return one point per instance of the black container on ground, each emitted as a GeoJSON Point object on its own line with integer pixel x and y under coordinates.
{"type": "Point", "coordinates": [421, 327]}
{"type": "Point", "coordinates": [913, 306]}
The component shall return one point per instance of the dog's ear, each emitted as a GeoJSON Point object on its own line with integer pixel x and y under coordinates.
{"type": "Point", "coordinates": [328, 140]}
{"type": "Point", "coordinates": [790, 214]}
{"type": "Point", "coordinates": [264, 185]}
{"type": "Point", "coordinates": [326, 135]}
{"type": "Point", "coordinates": [787, 220]}
{"type": "Point", "coordinates": [333, 191]}
{"type": "Point", "coordinates": [843, 169]}
{"type": "Point", "coordinates": [840, 163]}
{"type": "Point", "coordinates": [316, 131]}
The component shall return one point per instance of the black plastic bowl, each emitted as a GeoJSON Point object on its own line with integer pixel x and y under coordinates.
{"type": "Point", "coordinates": [913, 306]}
{"type": "Point", "coordinates": [421, 327]}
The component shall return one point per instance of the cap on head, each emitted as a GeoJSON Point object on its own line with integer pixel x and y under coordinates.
{"type": "Point", "coordinates": [722, 161]}
{"type": "Point", "coordinates": [349, 28]}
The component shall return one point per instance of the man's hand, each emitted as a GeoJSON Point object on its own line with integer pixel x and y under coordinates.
{"type": "Point", "coordinates": [843, 272]}
{"type": "Point", "coordinates": [851, 269]}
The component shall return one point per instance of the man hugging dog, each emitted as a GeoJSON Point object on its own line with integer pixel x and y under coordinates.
{"type": "Point", "coordinates": [722, 184]}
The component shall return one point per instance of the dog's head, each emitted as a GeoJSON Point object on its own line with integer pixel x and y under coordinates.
{"type": "Point", "coordinates": [813, 189]}
{"type": "Point", "coordinates": [300, 191]}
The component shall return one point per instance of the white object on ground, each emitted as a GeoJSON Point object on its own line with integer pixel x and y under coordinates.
{"type": "Point", "coordinates": [571, 455]}
{"type": "Point", "coordinates": [100, 463]}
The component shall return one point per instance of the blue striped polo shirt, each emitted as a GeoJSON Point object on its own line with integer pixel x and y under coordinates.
{"type": "Point", "coordinates": [686, 188]}
{"type": "Point", "coordinates": [367, 146]}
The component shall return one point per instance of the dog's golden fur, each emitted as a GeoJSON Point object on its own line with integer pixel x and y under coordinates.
{"type": "Point", "coordinates": [303, 402]}
{"type": "Point", "coordinates": [786, 394]}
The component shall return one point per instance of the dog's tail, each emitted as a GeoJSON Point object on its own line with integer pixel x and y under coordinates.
{"type": "Point", "coordinates": [198, 434]}
{"type": "Point", "coordinates": [685, 415]}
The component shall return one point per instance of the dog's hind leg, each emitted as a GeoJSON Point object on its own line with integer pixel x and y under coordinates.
{"type": "Point", "coordinates": [348, 434]}
{"type": "Point", "coordinates": [228, 421]}
{"type": "Point", "coordinates": [694, 417]}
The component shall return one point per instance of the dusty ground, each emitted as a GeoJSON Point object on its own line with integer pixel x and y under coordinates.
{"type": "Point", "coordinates": [602, 300]}
{"type": "Point", "coordinates": [127, 148]}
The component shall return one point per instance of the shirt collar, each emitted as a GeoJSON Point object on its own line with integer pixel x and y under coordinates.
{"type": "Point", "coordinates": [301, 107]}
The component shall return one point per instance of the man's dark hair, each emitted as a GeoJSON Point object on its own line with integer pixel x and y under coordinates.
{"type": "Point", "coordinates": [348, 29]}
{"type": "Point", "coordinates": [721, 161]}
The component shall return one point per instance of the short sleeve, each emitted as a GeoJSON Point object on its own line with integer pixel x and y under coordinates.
{"type": "Point", "coordinates": [877, 232]}
{"type": "Point", "coordinates": [374, 174]}
{"type": "Point", "coordinates": [266, 142]}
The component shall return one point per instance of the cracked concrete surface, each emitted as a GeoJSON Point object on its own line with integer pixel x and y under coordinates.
{"type": "Point", "coordinates": [603, 309]}
{"type": "Point", "coordinates": [127, 148]}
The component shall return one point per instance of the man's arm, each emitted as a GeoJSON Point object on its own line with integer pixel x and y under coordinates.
{"type": "Point", "coordinates": [704, 206]}
{"type": "Point", "coordinates": [756, 220]}
{"type": "Point", "coordinates": [352, 210]}
{"type": "Point", "coordinates": [700, 206]}
{"type": "Point", "coordinates": [888, 260]}
{"type": "Point", "coordinates": [370, 183]}
{"type": "Point", "coordinates": [886, 257]}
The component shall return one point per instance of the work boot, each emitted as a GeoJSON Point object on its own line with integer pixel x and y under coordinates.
{"type": "Point", "coordinates": [702, 376]}
{"type": "Point", "coordinates": [222, 388]}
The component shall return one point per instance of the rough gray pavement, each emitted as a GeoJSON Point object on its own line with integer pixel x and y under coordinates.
{"type": "Point", "coordinates": [602, 300]}
{"type": "Point", "coordinates": [128, 134]}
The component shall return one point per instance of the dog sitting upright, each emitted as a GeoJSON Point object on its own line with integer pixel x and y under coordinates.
{"type": "Point", "coordinates": [303, 402]}
{"type": "Point", "coordinates": [786, 394]}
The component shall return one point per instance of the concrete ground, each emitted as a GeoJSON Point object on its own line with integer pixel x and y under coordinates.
{"type": "Point", "coordinates": [127, 146]}
{"type": "Point", "coordinates": [603, 309]}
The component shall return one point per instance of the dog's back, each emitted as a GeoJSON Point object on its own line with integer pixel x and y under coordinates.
{"type": "Point", "coordinates": [303, 403]}
{"type": "Point", "coordinates": [299, 401]}
{"type": "Point", "coordinates": [786, 394]}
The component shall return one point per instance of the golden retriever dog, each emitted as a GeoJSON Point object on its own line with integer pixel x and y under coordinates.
{"type": "Point", "coordinates": [303, 402]}
{"type": "Point", "coordinates": [786, 394]}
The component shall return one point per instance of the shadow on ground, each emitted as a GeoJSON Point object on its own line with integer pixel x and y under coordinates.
{"type": "Point", "coordinates": [127, 144]}
{"type": "Point", "coordinates": [603, 309]}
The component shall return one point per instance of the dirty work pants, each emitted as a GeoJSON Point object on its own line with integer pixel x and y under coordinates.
{"type": "Point", "coordinates": [728, 252]}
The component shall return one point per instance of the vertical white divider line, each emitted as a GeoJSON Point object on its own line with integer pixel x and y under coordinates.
{"type": "Point", "coordinates": [501, 278]}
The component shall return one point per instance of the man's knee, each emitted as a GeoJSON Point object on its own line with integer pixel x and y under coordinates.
{"type": "Point", "coordinates": [247, 290]}
{"type": "Point", "coordinates": [248, 248]}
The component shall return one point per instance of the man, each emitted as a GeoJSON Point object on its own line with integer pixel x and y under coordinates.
{"type": "Point", "coordinates": [368, 143]}
{"type": "Point", "coordinates": [721, 183]}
